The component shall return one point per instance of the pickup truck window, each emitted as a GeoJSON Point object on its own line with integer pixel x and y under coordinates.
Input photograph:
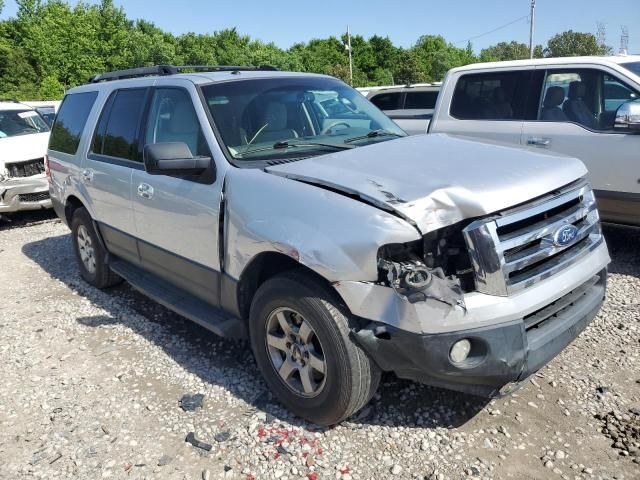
{"type": "Point", "coordinates": [117, 133]}
{"type": "Point", "coordinates": [588, 97]}
{"type": "Point", "coordinates": [420, 100]}
{"type": "Point", "coordinates": [632, 67]}
{"type": "Point", "coordinates": [491, 96]}
{"type": "Point", "coordinates": [387, 101]}
{"type": "Point", "coordinates": [260, 119]}
{"type": "Point", "coordinates": [71, 119]}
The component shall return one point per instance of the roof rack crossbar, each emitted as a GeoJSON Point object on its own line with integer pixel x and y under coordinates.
{"type": "Point", "coordinates": [162, 70]}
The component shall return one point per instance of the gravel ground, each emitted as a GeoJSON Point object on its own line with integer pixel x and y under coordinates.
{"type": "Point", "coordinates": [93, 380]}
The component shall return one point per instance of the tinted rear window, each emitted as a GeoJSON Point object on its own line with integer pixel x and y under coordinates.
{"type": "Point", "coordinates": [73, 114]}
{"type": "Point", "coordinates": [491, 96]}
{"type": "Point", "coordinates": [420, 100]}
{"type": "Point", "coordinates": [387, 101]}
{"type": "Point", "coordinates": [118, 129]}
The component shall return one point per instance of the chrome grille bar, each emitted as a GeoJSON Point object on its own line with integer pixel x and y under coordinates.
{"type": "Point", "coordinates": [516, 248]}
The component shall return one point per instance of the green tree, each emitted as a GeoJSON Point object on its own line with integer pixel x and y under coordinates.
{"type": "Point", "coordinates": [410, 69]}
{"type": "Point", "coordinates": [437, 56]}
{"type": "Point", "coordinates": [570, 43]}
{"type": "Point", "coordinates": [508, 51]}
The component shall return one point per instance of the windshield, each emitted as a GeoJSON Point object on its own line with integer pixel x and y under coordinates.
{"type": "Point", "coordinates": [21, 122]}
{"type": "Point", "coordinates": [294, 117]}
{"type": "Point", "coordinates": [633, 67]}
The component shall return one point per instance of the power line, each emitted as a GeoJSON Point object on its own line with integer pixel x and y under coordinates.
{"type": "Point", "coordinates": [494, 30]}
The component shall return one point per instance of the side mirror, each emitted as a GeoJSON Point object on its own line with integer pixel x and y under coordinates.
{"type": "Point", "coordinates": [628, 117]}
{"type": "Point", "coordinates": [173, 158]}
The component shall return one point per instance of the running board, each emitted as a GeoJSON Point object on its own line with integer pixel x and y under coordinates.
{"type": "Point", "coordinates": [180, 301]}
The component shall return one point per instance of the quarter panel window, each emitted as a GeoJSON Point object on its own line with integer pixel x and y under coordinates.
{"type": "Point", "coordinates": [491, 96]}
{"type": "Point", "coordinates": [117, 134]}
{"type": "Point", "coordinates": [70, 121]}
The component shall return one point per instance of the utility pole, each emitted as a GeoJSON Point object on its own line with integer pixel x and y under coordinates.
{"type": "Point", "coordinates": [348, 47]}
{"type": "Point", "coordinates": [532, 19]}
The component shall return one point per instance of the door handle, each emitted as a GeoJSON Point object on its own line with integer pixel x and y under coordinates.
{"type": "Point", "coordinates": [87, 175]}
{"type": "Point", "coordinates": [145, 190]}
{"type": "Point", "coordinates": [539, 141]}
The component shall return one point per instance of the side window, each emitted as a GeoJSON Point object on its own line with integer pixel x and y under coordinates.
{"type": "Point", "coordinates": [172, 118]}
{"type": "Point", "coordinates": [117, 132]}
{"type": "Point", "coordinates": [588, 97]}
{"type": "Point", "coordinates": [70, 122]}
{"type": "Point", "coordinates": [420, 100]}
{"type": "Point", "coordinates": [616, 93]}
{"type": "Point", "coordinates": [387, 101]}
{"type": "Point", "coordinates": [491, 96]}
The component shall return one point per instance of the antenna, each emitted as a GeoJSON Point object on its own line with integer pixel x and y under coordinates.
{"type": "Point", "coordinates": [624, 40]}
{"type": "Point", "coordinates": [602, 34]}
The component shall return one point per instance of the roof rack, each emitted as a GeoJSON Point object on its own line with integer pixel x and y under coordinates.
{"type": "Point", "coordinates": [162, 70]}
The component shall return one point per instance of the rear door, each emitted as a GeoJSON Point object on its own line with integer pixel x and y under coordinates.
{"type": "Point", "coordinates": [490, 105]}
{"type": "Point", "coordinates": [575, 117]}
{"type": "Point", "coordinates": [113, 156]}
{"type": "Point", "coordinates": [177, 217]}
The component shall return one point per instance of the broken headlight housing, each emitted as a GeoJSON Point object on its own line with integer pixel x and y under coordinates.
{"type": "Point", "coordinates": [438, 267]}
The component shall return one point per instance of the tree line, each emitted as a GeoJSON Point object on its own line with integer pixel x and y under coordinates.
{"type": "Point", "coordinates": [51, 46]}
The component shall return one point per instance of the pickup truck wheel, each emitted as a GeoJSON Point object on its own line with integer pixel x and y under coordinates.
{"type": "Point", "coordinates": [300, 339]}
{"type": "Point", "coordinates": [90, 254]}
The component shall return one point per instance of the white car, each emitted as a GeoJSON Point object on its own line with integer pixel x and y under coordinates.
{"type": "Point", "coordinates": [24, 136]}
{"type": "Point", "coordinates": [584, 107]}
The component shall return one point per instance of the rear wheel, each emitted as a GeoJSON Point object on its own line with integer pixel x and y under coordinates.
{"type": "Point", "coordinates": [300, 338]}
{"type": "Point", "coordinates": [90, 254]}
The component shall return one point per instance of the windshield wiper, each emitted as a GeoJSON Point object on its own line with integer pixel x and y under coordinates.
{"type": "Point", "coordinates": [293, 144]}
{"type": "Point", "coordinates": [373, 134]}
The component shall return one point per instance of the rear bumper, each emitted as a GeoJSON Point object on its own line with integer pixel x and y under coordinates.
{"type": "Point", "coordinates": [28, 193]}
{"type": "Point", "coordinates": [501, 355]}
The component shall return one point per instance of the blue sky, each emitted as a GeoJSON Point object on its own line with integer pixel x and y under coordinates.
{"type": "Point", "coordinates": [287, 21]}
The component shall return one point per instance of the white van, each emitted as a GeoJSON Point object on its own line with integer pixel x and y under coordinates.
{"type": "Point", "coordinates": [585, 107]}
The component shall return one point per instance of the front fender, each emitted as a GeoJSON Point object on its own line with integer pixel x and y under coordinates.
{"type": "Point", "coordinates": [332, 234]}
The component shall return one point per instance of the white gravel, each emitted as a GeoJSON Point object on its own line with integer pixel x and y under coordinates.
{"type": "Point", "coordinates": [92, 382]}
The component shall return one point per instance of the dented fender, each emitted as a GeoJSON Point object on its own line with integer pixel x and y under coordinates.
{"type": "Point", "coordinates": [334, 235]}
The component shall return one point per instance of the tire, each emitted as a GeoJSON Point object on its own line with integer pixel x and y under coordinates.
{"type": "Point", "coordinates": [350, 377]}
{"type": "Point", "coordinates": [88, 247]}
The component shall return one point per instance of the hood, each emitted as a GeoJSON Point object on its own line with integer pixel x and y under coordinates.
{"type": "Point", "coordinates": [23, 147]}
{"type": "Point", "coordinates": [436, 180]}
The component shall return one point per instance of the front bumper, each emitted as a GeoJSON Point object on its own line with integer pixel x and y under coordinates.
{"type": "Point", "coordinates": [26, 193]}
{"type": "Point", "coordinates": [501, 355]}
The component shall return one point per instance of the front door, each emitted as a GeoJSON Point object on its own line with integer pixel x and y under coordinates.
{"type": "Point", "coordinates": [576, 117]}
{"type": "Point", "coordinates": [177, 217]}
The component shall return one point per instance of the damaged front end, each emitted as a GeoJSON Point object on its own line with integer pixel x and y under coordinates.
{"type": "Point", "coordinates": [436, 267]}
{"type": "Point", "coordinates": [23, 186]}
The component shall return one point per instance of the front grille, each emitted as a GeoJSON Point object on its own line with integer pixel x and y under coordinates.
{"type": "Point", "coordinates": [33, 197]}
{"type": "Point", "coordinates": [26, 169]}
{"type": "Point", "coordinates": [517, 248]}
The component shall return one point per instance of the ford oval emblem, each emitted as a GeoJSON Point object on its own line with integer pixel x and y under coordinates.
{"type": "Point", "coordinates": [565, 235]}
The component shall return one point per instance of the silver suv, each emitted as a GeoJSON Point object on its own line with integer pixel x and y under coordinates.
{"type": "Point", "coordinates": [285, 208]}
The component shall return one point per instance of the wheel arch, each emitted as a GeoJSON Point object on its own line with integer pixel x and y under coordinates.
{"type": "Point", "coordinates": [267, 265]}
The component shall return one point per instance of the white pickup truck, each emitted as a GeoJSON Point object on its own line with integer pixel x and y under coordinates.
{"type": "Point", "coordinates": [584, 107]}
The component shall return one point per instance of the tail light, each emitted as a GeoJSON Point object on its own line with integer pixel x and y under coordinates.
{"type": "Point", "coordinates": [47, 168]}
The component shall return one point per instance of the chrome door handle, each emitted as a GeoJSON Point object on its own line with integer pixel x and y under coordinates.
{"type": "Point", "coordinates": [539, 141]}
{"type": "Point", "coordinates": [87, 175]}
{"type": "Point", "coordinates": [145, 190]}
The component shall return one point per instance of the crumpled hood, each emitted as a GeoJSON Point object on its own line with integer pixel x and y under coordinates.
{"type": "Point", "coordinates": [23, 147]}
{"type": "Point", "coordinates": [437, 180]}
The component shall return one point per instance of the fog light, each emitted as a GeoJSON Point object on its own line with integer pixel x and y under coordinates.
{"type": "Point", "coordinates": [460, 351]}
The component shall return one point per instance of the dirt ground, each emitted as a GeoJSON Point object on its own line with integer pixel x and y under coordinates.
{"type": "Point", "coordinates": [91, 384]}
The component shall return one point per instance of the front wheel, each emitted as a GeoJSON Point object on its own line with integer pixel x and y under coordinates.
{"type": "Point", "coordinates": [300, 339]}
